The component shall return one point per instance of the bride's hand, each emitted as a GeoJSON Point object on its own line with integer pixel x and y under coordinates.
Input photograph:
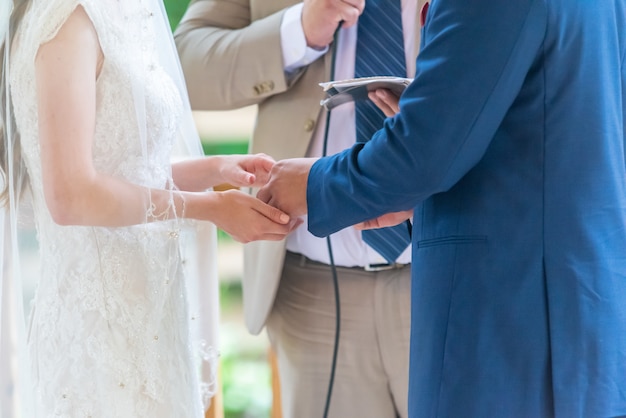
{"type": "Point", "coordinates": [246, 218]}
{"type": "Point", "coordinates": [246, 170]}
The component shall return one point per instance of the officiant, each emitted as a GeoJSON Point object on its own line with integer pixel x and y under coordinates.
{"type": "Point", "coordinates": [275, 58]}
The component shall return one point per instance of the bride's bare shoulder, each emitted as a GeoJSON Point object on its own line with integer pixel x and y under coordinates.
{"type": "Point", "coordinates": [76, 37]}
{"type": "Point", "coordinates": [78, 26]}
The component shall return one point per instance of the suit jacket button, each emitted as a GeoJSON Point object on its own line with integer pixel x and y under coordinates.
{"type": "Point", "coordinates": [308, 125]}
{"type": "Point", "coordinates": [264, 87]}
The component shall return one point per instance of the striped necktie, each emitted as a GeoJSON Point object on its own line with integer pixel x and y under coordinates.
{"type": "Point", "coordinates": [380, 51]}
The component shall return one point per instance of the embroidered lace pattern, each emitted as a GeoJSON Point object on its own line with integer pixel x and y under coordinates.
{"type": "Point", "coordinates": [109, 333]}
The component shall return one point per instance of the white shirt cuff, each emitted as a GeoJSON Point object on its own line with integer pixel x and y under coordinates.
{"type": "Point", "coordinates": [296, 54]}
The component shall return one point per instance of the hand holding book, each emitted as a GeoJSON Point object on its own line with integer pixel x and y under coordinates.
{"type": "Point", "coordinates": [344, 91]}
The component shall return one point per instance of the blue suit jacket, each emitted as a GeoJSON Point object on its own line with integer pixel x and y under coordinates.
{"type": "Point", "coordinates": [510, 147]}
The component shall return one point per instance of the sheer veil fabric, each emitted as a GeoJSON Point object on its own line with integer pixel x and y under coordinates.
{"type": "Point", "coordinates": [112, 331]}
{"type": "Point", "coordinates": [15, 394]}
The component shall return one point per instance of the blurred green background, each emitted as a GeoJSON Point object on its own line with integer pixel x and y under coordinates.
{"type": "Point", "coordinates": [246, 380]}
{"type": "Point", "coordinates": [175, 10]}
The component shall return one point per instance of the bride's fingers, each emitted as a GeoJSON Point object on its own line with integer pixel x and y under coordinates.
{"type": "Point", "coordinates": [272, 213]}
{"type": "Point", "coordinates": [265, 162]}
{"type": "Point", "coordinates": [239, 177]}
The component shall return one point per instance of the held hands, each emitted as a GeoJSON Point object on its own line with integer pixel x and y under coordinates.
{"type": "Point", "coordinates": [287, 184]}
{"type": "Point", "coordinates": [320, 19]}
{"type": "Point", "coordinates": [247, 219]}
{"type": "Point", "coordinates": [286, 188]}
{"type": "Point", "coordinates": [280, 201]}
{"type": "Point", "coordinates": [244, 217]}
{"type": "Point", "coordinates": [246, 170]}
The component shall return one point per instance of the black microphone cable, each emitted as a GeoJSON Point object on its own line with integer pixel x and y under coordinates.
{"type": "Point", "coordinates": [333, 268]}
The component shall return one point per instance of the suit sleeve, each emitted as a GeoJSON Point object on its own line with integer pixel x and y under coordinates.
{"type": "Point", "coordinates": [474, 58]}
{"type": "Point", "coordinates": [228, 60]}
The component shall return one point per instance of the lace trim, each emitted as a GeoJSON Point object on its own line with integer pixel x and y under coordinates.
{"type": "Point", "coordinates": [171, 210]}
{"type": "Point", "coordinates": [209, 358]}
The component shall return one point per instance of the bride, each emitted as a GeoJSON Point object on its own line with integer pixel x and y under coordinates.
{"type": "Point", "coordinates": [94, 109]}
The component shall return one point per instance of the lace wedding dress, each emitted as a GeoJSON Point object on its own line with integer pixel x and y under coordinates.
{"type": "Point", "coordinates": [109, 333]}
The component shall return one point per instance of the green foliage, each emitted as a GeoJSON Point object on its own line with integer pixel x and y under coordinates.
{"type": "Point", "coordinates": [245, 395]}
{"type": "Point", "coordinates": [231, 296]}
{"type": "Point", "coordinates": [246, 381]}
{"type": "Point", "coordinates": [175, 10]}
{"type": "Point", "coordinates": [230, 146]}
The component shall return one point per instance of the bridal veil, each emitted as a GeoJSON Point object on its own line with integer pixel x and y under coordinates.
{"type": "Point", "coordinates": [198, 252]}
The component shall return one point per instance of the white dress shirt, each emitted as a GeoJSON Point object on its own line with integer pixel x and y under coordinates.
{"type": "Point", "coordinates": [349, 250]}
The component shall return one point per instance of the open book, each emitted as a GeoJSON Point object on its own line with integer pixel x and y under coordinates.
{"type": "Point", "coordinates": [344, 91]}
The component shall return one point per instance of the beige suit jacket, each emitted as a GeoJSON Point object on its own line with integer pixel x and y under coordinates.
{"type": "Point", "coordinates": [231, 55]}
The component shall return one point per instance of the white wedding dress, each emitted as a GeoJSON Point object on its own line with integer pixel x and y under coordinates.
{"type": "Point", "coordinates": [109, 334]}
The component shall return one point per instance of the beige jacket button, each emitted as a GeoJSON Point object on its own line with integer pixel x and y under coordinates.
{"type": "Point", "coordinates": [308, 125]}
{"type": "Point", "coordinates": [264, 87]}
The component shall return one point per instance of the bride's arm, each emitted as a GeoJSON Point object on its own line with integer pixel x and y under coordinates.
{"type": "Point", "coordinates": [77, 194]}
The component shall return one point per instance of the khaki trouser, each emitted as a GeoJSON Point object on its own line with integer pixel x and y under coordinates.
{"type": "Point", "coordinates": [371, 378]}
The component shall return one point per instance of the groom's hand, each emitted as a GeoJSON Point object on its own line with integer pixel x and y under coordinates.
{"type": "Point", "coordinates": [286, 188]}
{"type": "Point", "coordinates": [388, 219]}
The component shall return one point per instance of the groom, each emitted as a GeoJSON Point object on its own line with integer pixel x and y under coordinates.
{"type": "Point", "coordinates": [510, 145]}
